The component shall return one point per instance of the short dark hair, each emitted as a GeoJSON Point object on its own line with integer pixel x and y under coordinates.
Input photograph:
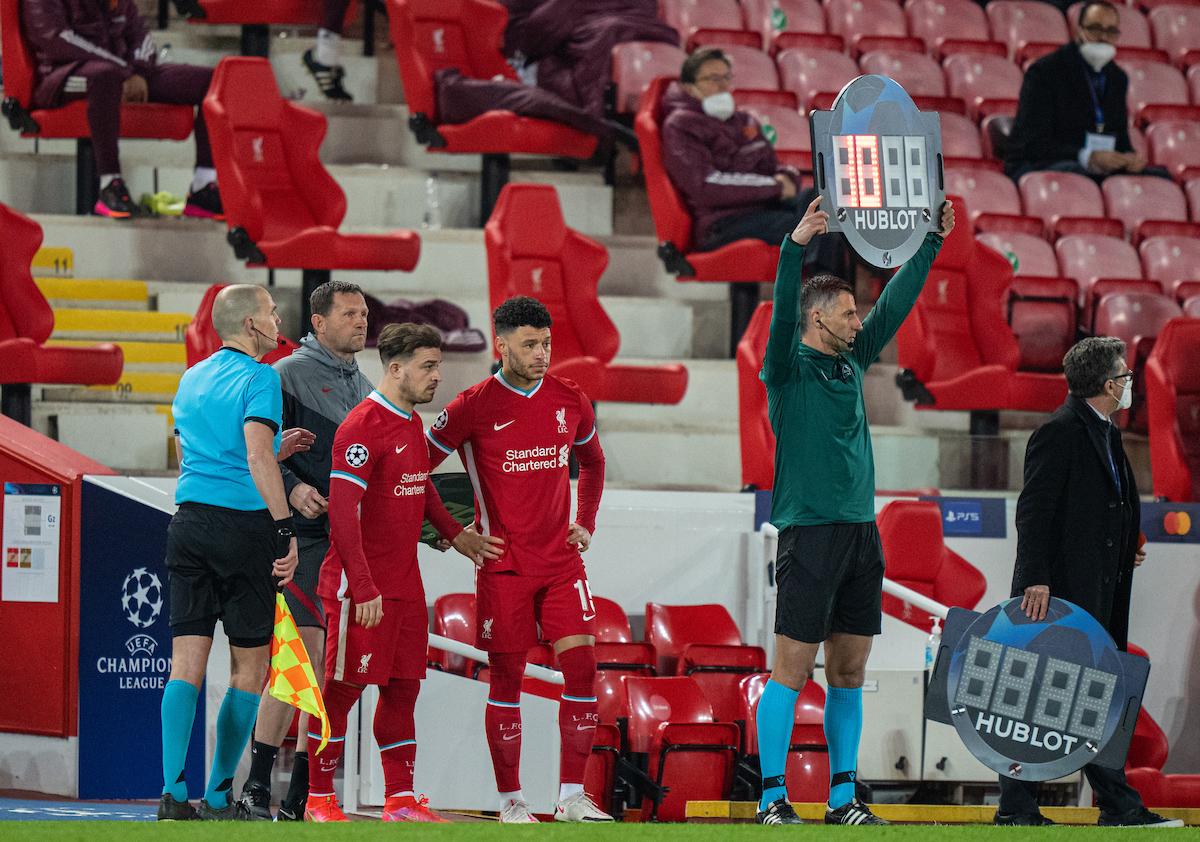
{"type": "Point", "coordinates": [1088, 4]}
{"type": "Point", "coordinates": [693, 63]}
{"type": "Point", "coordinates": [520, 311]}
{"type": "Point", "coordinates": [1091, 363]}
{"type": "Point", "coordinates": [401, 341]}
{"type": "Point", "coordinates": [321, 300]}
{"type": "Point", "coordinates": [818, 292]}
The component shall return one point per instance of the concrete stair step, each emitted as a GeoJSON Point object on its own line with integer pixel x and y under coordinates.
{"type": "Point", "coordinates": [94, 294]}
{"type": "Point", "coordinates": [127, 436]}
{"type": "Point", "coordinates": [119, 325]}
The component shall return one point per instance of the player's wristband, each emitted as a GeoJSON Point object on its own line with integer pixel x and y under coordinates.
{"type": "Point", "coordinates": [285, 531]}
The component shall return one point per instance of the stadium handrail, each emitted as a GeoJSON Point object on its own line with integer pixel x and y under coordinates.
{"type": "Point", "coordinates": [467, 651]}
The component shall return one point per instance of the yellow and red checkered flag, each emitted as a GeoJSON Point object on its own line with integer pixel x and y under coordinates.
{"type": "Point", "coordinates": [292, 679]}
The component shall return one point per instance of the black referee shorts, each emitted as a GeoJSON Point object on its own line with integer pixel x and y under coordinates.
{"type": "Point", "coordinates": [312, 550]}
{"type": "Point", "coordinates": [830, 579]}
{"type": "Point", "coordinates": [219, 561]}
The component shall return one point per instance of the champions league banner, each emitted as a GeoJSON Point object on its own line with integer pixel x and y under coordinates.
{"type": "Point", "coordinates": [877, 162]}
{"type": "Point", "coordinates": [1036, 700]}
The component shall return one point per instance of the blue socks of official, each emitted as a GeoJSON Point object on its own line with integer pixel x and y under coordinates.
{"type": "Point", "coordinates": [235, 721]}
{"type": "Point", "coordinates": [178, 714]}
{"type": "Point", "coordinates": [843, 728]}
{"type": "Point", "coordinates": [774, 717]}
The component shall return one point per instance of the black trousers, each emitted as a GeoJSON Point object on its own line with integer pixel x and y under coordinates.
{"type": "Point", "coordinates": [1113, 794]}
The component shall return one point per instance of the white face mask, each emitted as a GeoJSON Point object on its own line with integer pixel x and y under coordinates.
{"type": "Point", "coordinates": [1097, 53]}
{"type": "Point", "coordinates": [718, 105]}
{"type": "Point", "coordinates": [1126, 399]}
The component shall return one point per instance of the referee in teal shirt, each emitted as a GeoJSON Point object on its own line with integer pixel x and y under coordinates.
{"type": "Point", "coordinates": [829, 568]}
{"type": "Point", "coordinates": [227, 545]}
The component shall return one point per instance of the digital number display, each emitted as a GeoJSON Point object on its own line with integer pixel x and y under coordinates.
{"type": "Point", "coordinates": [864, 179]}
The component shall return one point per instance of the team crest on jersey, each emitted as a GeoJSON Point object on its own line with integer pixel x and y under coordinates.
{"type": "Point", "coordinates": [561, 415]}
{"type": "Point", "coordinates": [564, 455]}
{"type": "Point", "coordinates": [357, 455]}
{"type": "Point", "coordinates": [487, 628]}
{"type": "Point", "coordinates": [440, 421]}
{"type": "Point", "coordinates": [364, 662]}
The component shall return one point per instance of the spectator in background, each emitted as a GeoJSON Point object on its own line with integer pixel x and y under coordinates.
{"type": "Point", "coordinates": [101, 52]}
{"type": "Point", "coordinates": [324, 61]}
{"type": "Point", "coordinates": [1071, 116]}
{"type": "Point", "coordinates": [565, 46]}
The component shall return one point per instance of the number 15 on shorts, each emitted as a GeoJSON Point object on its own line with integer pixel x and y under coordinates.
{"type": "Point", "coordinates": [585, 599]}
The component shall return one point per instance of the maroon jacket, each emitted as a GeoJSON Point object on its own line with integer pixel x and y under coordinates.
{"type": "Point", "coordinates": [67, 33]}
{"type": "Point", "coordinates": [720, 167]}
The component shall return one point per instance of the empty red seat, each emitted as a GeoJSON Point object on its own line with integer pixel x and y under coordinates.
{"type": "Point", "coordinates": [454, 617]}
{"type": "Point", "coordinates": [636, 64]}
{"type": "Point", "coordinates": [787, 23]}
{"type": "Point", "coordinates": [871, 25]}
{"type": "Point", "coordinates": [957, 343]}
{"type": "Point", "coordinates": [281, 12]}
{"type": "Point", "coordinates": [1100, 265]}
{"type": "Point", "coordinates": [1176, 29]}
{"type": "Point", "coordinates": [808, 72]}
{"type": "Point", "coordinates": [1173, 394]}
{"type": "Point", "coordinates": [1172, 261]}
{"type": "Point", "coordinates": [917, 73]}
{"type": "Point", "coordinates": [1175, 144]}
{"type": "Point", "coordinates": [993, 199]}
{"type": "Point", "coordinates": [695, 638]}
{"type": "Point", "coordinates": [1144, 203]}
{"type": "Point", "coordinates": [201, 339]}
{"type": "Point", "coordinates": [531, 251]}
{"type": "Point", "coordinates": [18, 66]}
{"type": "Point", "coordinates": [1066, 202]}
{"type": "Point", "coordinates": [1191, 307]}
{"type": "Point", "coordinates": [1042, 313]}
{"type": "Point", "coordinates": [1137, 318]}
{"type": "Point", "coordinates": [792, 138]}
{"type": "Point", "coordinates": [1019, 23]}
{"type": "Point", "coordinates": [961, 145]}
{"type": "Point", "coordinates": [806, 773]}
{"type": "Point", "coordinates": [951, 26]}
{"type": "Point", "coordinates": [600, 774]}
{"type": "Point", "coordinates": [756, 438]}
{"type": "Point", "coordinates": [988, 84]}
{"type": "Point", "coordinates": [26, 322]}
{"type": "Point", "coordinates": [751, 67]}
{"type": "Point", "coordinates": [616, 650]}
{"type": "Point", "coordinates": [1035, 257]}
{"type": "Point", "coordinates": [430, 35]}
{"type": "Point", "coordinates": [688, 753]}
{"type": "Point", "coordinates": [916, 555]}
{"type": "Point", "coordinates": [743, 260]}
{"type": "Point", "coordinates": [994, 130]}
{"type": "Point", "coordinates": [1191, 190]}
{"type": "Point", "coordinates": [704, 22]}
{"type": "Point", "coordinates": [1156, 92]}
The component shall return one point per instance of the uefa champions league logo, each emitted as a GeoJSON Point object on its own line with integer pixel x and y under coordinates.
{"type": "Point", "coordinates": [142, 597]}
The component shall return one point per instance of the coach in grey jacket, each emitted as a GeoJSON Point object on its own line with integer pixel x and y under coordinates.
{"type": "Point", "coordinates": [321, 384]}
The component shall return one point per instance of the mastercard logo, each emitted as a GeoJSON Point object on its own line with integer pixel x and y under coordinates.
{"type": "Point", "coordinates": [1177, 523]}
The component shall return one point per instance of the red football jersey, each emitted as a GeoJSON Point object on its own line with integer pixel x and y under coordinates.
{"type": "Point", "coordinates": [515, 446]}
{"type": "Point", "coordinates": [379, 497]}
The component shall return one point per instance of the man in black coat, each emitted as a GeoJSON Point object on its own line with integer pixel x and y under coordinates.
{"type": "Point", "coordinates": [1071, 115]}
{"type": "Point", "coordinates": [1077, 539]}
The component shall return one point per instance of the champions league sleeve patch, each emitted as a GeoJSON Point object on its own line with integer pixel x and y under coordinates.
{"type": "Point", "coordinates": [357, 455]}
{"type": "Point", "coordinates": [440, 422]}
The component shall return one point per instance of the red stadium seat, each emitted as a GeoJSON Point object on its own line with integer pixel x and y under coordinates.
{"type": "Point", "coordinates": [1191, 189]}
{"type": "Point", "coordinates": [454, 617]}
{"type": "Point", "coordinates": [1019, 23]}
{"type": "Point", "coordinates": [994, 201]}
{"type": "Point", "coordinates": [1176, 29]}
{"type": "Point", "coordinates": [793, 140]}
{"type": "Point", "coordinates": [787, 23]}
{"type": "Point", "coordinates": [1173, 261]}
{"type": "Point", "coordinates": [610, 695]}
{"type": "Point", "coordinates": [689, 754]}
{"type": "Point", "coordinates": [636, 64]}
{"type": "Point", "coordinates": [806, 773]}
{"type": "Point", "coordinates": [611, 624]}
{"type": "Point", "coordinates": [201, 339]}
{"type": "Point", "coordinates": [1042, 315]}
{"type": "Point", "coordinates": [430, 35]}
{"type": "Point", "coordinates": [956, 342]}
{"type": "Point", "coordinates": [1035, 257]}
{"type": "Point", "coordinates": [26, 322]}
{"type": "Point", "coordinates": [1157, 92]}
{"type": "Point", "coordinates": [276, 219]}
{"type": "Point", "coordinates": [1175, 144]}
{"type": "Point", "coordinates": [951, 26]}
{"type": "Point", "coordinates": [809, 72]}
{"type": "Point", "coordinates": [988, 84]}
{"type": "Point", "coordinates": [746, 99]}
{"type": "Point", "coordinates": [1137, 318]}
{"type": "Point", "coordinates": [708, 22]}
{"type": "Point", "coordinates": [1067, 203]}
{"type": "Point", "coordinates": [743, 260]}
{"type": "Point", "coordinates": [1144, 203]}
{"type": "Point", "coordinates": [917, 557]}
{"type": "Point", "coordinates": [531, 251]}
{"type": "Point", "coordinates": [1191, 306]}
{"type": "Point", "coordinates": [752, 68]}
{"type": "Point", "coordinates": [1173, 394]}
{"type": "Point", "coordinates": [1100, 265]}
{"type": "Point", "coordinates": [1192, 77]}
{"type": "Point", "coordinates": [18, 66]}
{"type": "Point", "coordinates": [994, 130]}
{"type": "Point", "coordinates": [279, 12]}
{"type": "Point", "coordinates": [754, 427]}
{"type": "Point", "coordinates": [691, 638]}
{"type": "Point", "coordinates": [616, 650]}
{"type": "Point", "coordinates": [600, 774]}
{"type": "Point", "coordinates": [961, 144]}
{"type": "Point", "coordinates": [917, 73]}
{"type": "Point", "coordinates": [871, 25]}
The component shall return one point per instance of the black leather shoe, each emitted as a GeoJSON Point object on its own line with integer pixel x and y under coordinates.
{"type": "Point", "coordinates": [1022, 819]}
{"type": "Point", "coordinates": [1140, 817]}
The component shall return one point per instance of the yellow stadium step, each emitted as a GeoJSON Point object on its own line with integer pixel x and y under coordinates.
{"type": "Point", "coordinates": [133, 387]}
{"type": "Point", "coordinates": [53, 261]}
{"type": "Point", "coordinates": [94, 293]}
{"type": "Point", "coordinates": [120, 325]}
{"type": "Point", "coordinates": [146, 357]}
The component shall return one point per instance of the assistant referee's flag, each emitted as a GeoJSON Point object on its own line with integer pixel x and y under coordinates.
{"type": "Point", "coordinates": [292, 678]}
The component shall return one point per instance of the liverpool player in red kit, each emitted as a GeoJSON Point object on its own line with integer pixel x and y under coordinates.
{"type": "Point", "coordinates": [379, 496]}
{"type": "Point", "coordinates": [515, 432]}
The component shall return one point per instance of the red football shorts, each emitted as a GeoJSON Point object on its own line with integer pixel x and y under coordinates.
{"type": "Point", "coordinates": [510, 607]}
{"type": "Point", "coordinates": [396, 648]}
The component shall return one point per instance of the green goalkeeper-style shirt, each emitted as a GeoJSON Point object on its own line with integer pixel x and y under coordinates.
{"type": "Point", "coordinates": [824, 467]}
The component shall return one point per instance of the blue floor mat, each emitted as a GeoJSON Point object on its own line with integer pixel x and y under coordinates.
{"type": "Point", "coordinates": [12, 809]}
